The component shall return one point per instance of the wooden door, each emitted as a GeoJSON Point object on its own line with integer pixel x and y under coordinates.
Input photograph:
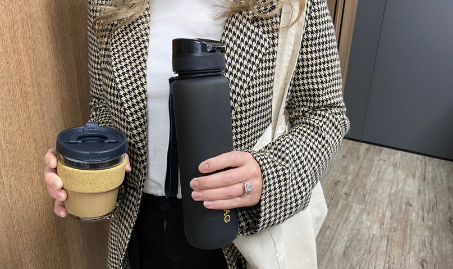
{"type": "Point", "coordinates": [44, 89]}
{"type": "Point", "coordinates": [343, 14]}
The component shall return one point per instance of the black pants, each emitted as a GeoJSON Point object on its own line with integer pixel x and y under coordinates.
{"type": "Point", "coordinates": [160, 240]}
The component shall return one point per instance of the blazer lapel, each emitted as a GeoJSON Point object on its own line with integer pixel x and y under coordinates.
{"type": "Point", "coordinates": [129, 57]}
{"type": "Point", "coordinates": [251, 52]}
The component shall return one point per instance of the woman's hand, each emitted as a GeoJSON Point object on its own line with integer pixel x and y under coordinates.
{"type": "Point", "coordinates": [54, 183]}
{"type": "Point", "coordinates": [225, 190]}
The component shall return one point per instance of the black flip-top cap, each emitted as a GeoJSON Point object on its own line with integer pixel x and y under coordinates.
{"type": "Point", "coordinates": [197, 55]}
{"type": "Point", "coordinates": [91, 143]}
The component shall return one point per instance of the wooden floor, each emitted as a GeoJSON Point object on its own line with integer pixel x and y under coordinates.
{"type": "Point", "coordinates": [387, 209]}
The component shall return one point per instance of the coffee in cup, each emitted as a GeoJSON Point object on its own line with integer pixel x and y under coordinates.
{"type": "Point", "coordinates": [91, 164]}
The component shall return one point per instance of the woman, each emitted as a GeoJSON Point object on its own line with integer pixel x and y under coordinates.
{"type": "Point", "coordinates": [126, 78]}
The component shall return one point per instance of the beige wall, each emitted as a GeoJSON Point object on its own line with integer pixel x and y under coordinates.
{"type": "Point", "coordinates": [43, 90]}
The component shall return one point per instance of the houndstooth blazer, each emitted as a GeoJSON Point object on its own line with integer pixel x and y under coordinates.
{"type": "Point", "coordinates": [290, 166]}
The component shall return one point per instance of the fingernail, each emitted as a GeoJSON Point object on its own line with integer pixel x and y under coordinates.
{"type": "Point", "coordinates": [208, 204]}
{"type": "Point", "coordinates": [60, 195]}
{"type": "Point", "coordinates": [54, 183]}
{"type": "Point", "coordinates": [196, 194]}
{"type": "Point", "coordinates": [203, 167]}
{"type": "Point", "coordinates": [194, 184]}
{"type": "Point", "coordinates": [62, 214]}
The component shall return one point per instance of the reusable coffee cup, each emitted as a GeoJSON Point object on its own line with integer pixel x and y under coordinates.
{"type": "Point", "coordinates": [91, 164]}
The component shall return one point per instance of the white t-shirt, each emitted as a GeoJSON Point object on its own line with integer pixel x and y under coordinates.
{"type": "Point", "coordinates": [169, 20]}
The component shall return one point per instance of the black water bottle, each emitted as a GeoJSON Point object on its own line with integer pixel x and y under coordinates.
{"type": "Point", "coordinates": [201, 100]}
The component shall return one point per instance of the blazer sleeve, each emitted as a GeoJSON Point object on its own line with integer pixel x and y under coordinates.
{"type": "Point", "coordinates": [292, 164]}
{"type": "Point", "coordinates": [100, 112]}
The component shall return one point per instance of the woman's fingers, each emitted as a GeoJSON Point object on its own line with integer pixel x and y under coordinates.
{"type": "Point", "coordinates": [60, 209]}
{"type": "Point", "coordinates": [228, 192]}
{"type": "Point", "coordinates": [51, 178]}
{"type": "Point", "coordinates": [227, 197]}
{"type": "Point", "coordinates": [225, 189]}
{"type": "Point", "coordinates": [128, 164]}
{"type": "Point", "coordinates": [228, 204]}
{"type": "Point", "coordinates": [225, 204]}
{"type": "Point", "coordinates": [226, 160]}
{"type": "Point", "coordinates": [51, 158]}
{"type": "Point", "coordinates": [250, 199]}
{"type": "Point", "coordinates": [220, 179]}
{"type": "Point", "coordinates": [60, 194]}
{"type": "Point", "coordinates": [54, 183]}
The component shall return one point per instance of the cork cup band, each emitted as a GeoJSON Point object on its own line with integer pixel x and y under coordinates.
{"type": "Point", "coordinates": [91, 181]}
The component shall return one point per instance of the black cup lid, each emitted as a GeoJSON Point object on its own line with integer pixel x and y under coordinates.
{"type": "Point", "coordinates": [91, 143]}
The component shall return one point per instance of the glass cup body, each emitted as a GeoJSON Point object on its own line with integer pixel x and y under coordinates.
{"type": "Point", "coordinates": [92, 187]}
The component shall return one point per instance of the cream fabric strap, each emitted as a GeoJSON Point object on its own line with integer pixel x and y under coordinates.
{"type": "Point", "coordinates": [291, 244]}
{"type": "Point", "coordinates": [289, 42]}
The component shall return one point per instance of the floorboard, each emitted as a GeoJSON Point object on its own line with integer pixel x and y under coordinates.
{"type": "Point", "coordinates": [387, 209]}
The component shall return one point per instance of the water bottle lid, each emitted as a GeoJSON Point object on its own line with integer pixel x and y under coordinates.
{"type": "Point", "coordinates": [197, 55]}
{"type": "Point", "coordinates": [184, 45]}
{"type": "Point", "coordinates": [91, 143]}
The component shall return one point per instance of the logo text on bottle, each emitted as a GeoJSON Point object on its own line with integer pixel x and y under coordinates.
{"type": "Point", "coordinates": [226, 216]}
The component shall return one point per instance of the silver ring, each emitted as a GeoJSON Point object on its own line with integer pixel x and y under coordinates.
{"type": "Point", "coordinates": [247, 187]}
